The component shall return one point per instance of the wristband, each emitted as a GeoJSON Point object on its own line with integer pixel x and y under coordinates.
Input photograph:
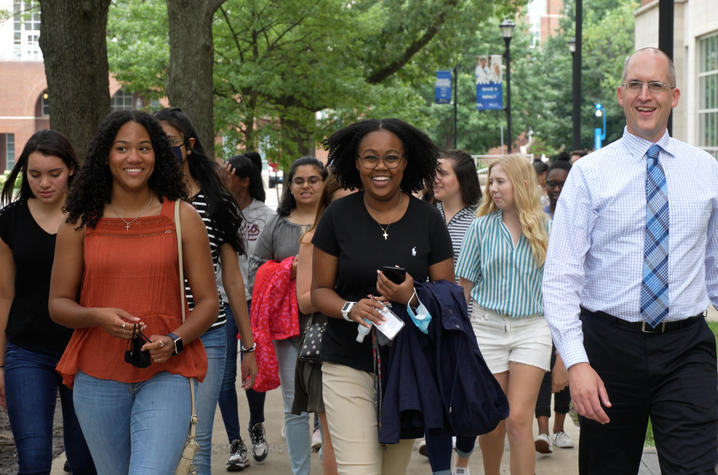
{"type": "Point", "coordinates": [242, 349]}
{"type": "Point", "coordinates": [346, 309]}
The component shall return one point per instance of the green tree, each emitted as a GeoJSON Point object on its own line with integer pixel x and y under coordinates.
{"type": "Point", "coordinates": [278, 63]}
{"type": "Point", "coordinates": [541, 82]}
{"type": "Point", "coordinates": [607, 40]}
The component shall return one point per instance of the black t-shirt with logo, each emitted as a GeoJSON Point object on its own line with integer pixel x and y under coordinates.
{"type": "Point", "coordinates": [347, 231]}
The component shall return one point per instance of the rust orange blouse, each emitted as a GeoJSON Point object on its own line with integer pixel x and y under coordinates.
{"type": "Point", "coordinates": [137, 270]}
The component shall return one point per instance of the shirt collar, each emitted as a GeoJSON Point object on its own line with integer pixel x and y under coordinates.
{"type": "Point", "coordinates": [638, 146]}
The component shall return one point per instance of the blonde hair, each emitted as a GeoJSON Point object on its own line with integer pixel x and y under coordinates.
{"type": "Point", "coordinates": [522, 176]}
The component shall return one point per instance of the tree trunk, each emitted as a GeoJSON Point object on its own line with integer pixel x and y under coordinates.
{"type": "Point", "coordinates": [73, 42]}
{"type": "Point", "coordinates": [189, 77]}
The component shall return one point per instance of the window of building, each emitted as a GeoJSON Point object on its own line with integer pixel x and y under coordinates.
{"type": "Point", "coordinates": [45, 104]}
{"type": "Point", "coordinates": [121, 101]}
{"type": "Point", "coordinates": [9, 151]}
{"type": "Point", "coordinates": [26, 29]}
{"type": "Point", "coordinates": [708, 94]}
{"type": "Point", "coordinates": [33, 11]}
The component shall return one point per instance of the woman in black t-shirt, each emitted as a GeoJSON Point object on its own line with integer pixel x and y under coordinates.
{"type": "Point", "coordinates": [382, 225]}
{"type": "Point", "coordinates": [30, 343]}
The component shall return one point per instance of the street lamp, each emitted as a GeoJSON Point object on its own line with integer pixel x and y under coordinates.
{"type": "Point", "coordinates": [598, 134]}
{"type": "Point", "coordinates": [507, 30]}
{"type": "Point", "coordinates": [576, 94]}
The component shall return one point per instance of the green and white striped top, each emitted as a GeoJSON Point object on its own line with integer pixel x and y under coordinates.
{"type": "Point", "coordinates": [506, 279]}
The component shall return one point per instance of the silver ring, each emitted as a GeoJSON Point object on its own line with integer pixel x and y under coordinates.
{"type": "Point", "coordinates": [162, 343]}
{"type": "Point", "coordinates": [123, 326]}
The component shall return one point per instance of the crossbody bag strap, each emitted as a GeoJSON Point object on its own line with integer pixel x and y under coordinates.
{"type": "Point", "coordinates": [178, 231]}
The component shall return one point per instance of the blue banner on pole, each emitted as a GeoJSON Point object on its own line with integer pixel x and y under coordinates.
{"type": "Point", "coordinates": [488, 96]}
{"type": "Point", "coordinates": [488, 82]}
{"type": "Point", "coordinates": [442, 87]}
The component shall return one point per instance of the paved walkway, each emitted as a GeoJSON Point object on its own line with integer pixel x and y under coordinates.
{"type": "Point", "coordinates": [561, 462]}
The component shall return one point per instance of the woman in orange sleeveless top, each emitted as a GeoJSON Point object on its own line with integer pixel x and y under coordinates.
{"type": "Point", "coordinates": [118, 253]}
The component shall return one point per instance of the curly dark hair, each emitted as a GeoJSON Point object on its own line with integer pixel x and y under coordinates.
{"type": "Point", "coordinates": [47, 142]}
{"type": "Point", "coordinates": [420, 152]}
{"type": "Point", "coordinates": [288, 203]}
{"type": "Point", "coordinates": [243, 166]}
{"type": "Point", "coordinates": [221, 207]}
{"type": "Point", "coordinates": [92, 187]}
{"type": "Point", "coordinates": [466, 175]}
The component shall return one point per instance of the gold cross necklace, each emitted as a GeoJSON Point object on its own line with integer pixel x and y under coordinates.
{"type": "Point", "coordinates": [127, 223]}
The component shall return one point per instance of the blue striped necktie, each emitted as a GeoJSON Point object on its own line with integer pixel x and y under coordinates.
{"type": "Point", "coordinates": [654, 288]}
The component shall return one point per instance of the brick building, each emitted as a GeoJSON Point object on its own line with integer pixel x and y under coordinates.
{"type": "Point", "coordinates": [24, 105]}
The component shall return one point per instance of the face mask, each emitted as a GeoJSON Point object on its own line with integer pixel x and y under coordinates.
{"type": "Point", "coordinates": [178, 154]}
{"type": "Point", "coordinates": [421, 318]}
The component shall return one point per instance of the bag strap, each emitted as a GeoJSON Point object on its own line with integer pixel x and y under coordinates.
{"type": "Point", "coordinates": [178, 231]}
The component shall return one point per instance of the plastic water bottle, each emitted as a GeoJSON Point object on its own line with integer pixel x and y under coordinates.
{"type": "Point", "coordinates": [363, 331]}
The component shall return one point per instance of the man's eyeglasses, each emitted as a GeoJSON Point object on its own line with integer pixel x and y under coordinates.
{"type": "Point", "coordinates": [653, 86]}
{"type": "Point", "coordinates": [372, 161]}
{"type": "Point", "coordinates": [555, 184]}
{"type": "Point", "coordinates": [312, 180]}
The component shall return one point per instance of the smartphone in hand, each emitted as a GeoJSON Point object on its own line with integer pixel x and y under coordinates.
{"type": "Point", "coordinates": [394, 274]}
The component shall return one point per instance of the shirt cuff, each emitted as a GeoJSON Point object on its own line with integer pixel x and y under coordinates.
{"type": "Point", "coordinates": [573, 353]}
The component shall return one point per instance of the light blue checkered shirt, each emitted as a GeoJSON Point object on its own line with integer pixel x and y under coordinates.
{"type": "Point", "coordinates": [595, 253]}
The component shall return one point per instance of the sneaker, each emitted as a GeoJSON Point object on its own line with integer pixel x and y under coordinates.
{"type": "Point", "coordinates": [260, 450]}
{"type": "Point", "coordinates": [543, 444]}
{"type": "Point", "coordinates": [316, 440]}
{"type": "Point", "coordinates": [562, 440]}
{"type": "Point", "coordinates": [422, 448]}
{"type": "Point", "coordinates": [238, 459]}
{"type": "Point", "coordinates": [66, 468]}
{"type": "Point", "coordinates": [461, 471]}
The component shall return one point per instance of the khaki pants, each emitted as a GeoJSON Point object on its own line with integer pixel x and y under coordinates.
{"type": "Point", "coordinates": [349, 400]}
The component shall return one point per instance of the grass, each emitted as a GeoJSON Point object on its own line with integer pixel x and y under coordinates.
{"type": "Point", "coordinates": [714, 328]}
{"type": "Point", "coordinates": [649, 433]}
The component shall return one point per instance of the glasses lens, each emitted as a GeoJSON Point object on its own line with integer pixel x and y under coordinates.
{"type": "Point", "coordinates": [653, 86]}
{"type": "Point", "coordinates": [312, 180]}
{"type": "Point", "coordinates": [391, 161]}
{"type": "Point", "coordinates": [372, 161]}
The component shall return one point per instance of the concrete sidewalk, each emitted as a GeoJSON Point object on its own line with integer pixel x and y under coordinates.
{"type": "Point", "coordinates": [561, 462]}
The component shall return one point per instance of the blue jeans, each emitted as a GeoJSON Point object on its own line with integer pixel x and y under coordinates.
{"type": "Point", "coordinates": [31, 385]}
{"type": "Point", "coordinates": [297, 426]}
{"type": "Point", "coordinates": [228, 404]}
{"type": "Point", "coordinates": [137, 428]}
{"type": "Point", "coordinates": [215, 343]}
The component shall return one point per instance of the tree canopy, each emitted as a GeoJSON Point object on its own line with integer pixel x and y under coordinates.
{"type": "Point", "coordinates": [541, 82]}
{"type": "Point", "coordinates": [287, 73]}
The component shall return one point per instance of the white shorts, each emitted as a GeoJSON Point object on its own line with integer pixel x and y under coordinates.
{"type": "Point", "coordinates": [502, 339]}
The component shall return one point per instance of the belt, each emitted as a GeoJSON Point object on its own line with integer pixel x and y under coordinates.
{"type": "Point", "coordinates": [643, 327]}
